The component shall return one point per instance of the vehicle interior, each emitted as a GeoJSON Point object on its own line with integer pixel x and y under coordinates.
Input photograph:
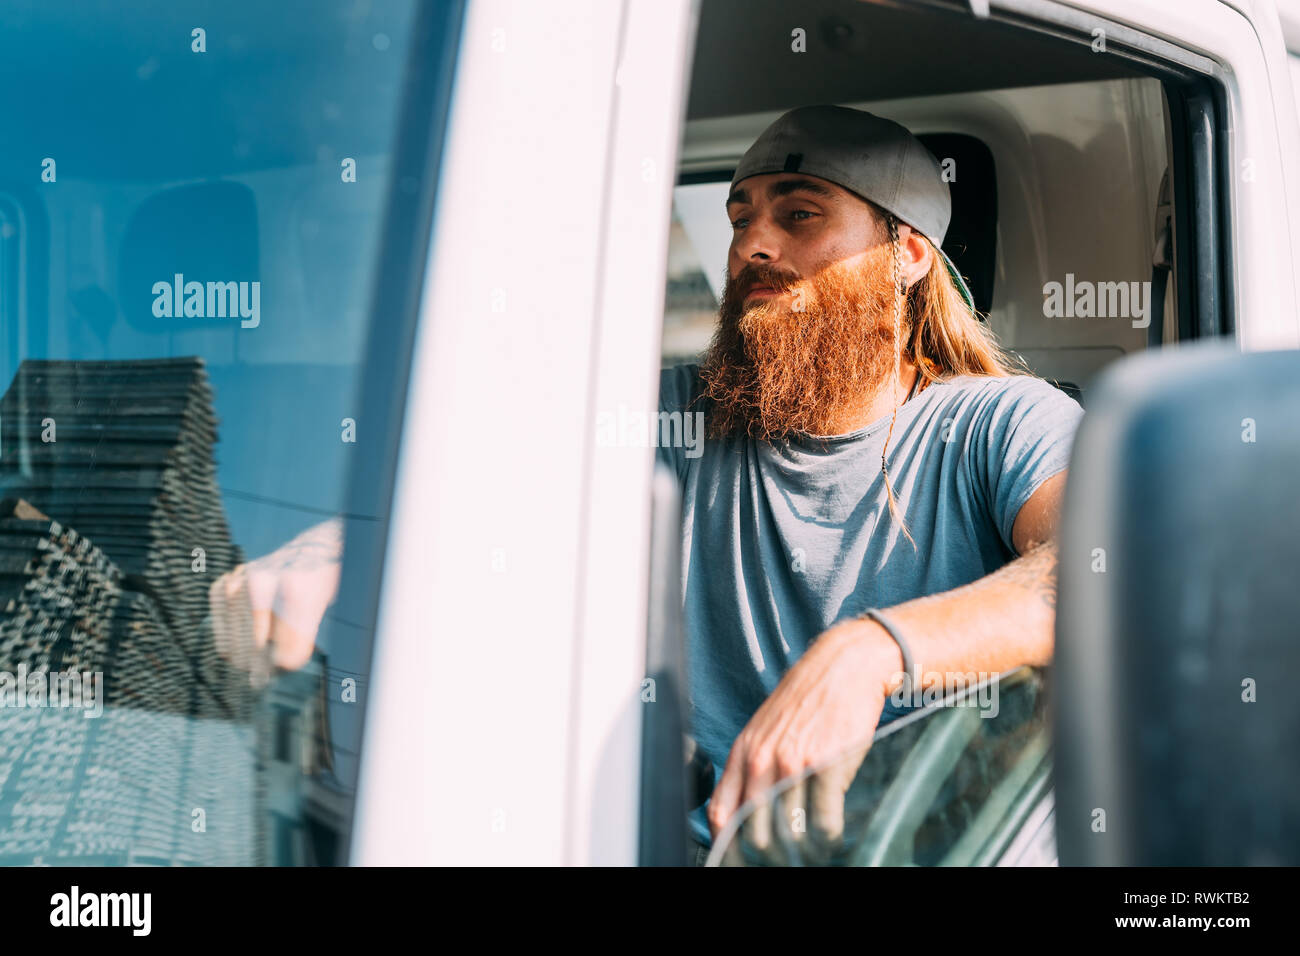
{"type": "Point", "coordinates": [1072, 165]}
{"type": "Point", "coordinates": [1040, 130]}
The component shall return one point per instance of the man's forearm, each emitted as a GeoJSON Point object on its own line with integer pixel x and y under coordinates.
{"type": "Point", "coordinates": [997, 623]}
{"type": "Point", "coordinates": [827, 704]}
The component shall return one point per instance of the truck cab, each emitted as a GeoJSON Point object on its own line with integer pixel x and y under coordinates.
{"type": "Point", "coordinates": [481, 230]}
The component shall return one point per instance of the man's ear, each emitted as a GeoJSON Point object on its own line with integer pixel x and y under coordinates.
{"type": "Point", "coordinates": [917, 254]}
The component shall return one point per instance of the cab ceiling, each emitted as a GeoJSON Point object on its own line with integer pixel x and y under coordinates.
{"type": "Point", "coordinates": [862, 50]}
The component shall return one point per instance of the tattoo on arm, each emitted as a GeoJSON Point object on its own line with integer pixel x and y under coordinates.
{"type": "Point", "coordinates": [1035, 571]}
{"type": "Point", "coordinates": [316, 547]}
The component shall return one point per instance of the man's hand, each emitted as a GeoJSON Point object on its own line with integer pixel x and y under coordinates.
{"type": "Point", "coordinates": [267, 612]}
{"type": "Point", "coordinates": [829, 702]}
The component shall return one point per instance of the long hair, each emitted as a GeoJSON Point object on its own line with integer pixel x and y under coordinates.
{"type": "Point", "coordinates": [944, 339]}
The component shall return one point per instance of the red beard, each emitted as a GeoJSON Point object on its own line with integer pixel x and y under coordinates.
{"type": "Point", "coordinates": [775, 369]}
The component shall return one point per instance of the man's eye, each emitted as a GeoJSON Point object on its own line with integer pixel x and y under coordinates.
{"type": "Point", "coordinates": [799, 214]}
{"type": "Point", "coordinates": [739, 223]}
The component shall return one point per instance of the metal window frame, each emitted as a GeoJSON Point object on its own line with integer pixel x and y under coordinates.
{"type": "Point", "coordinates": [406, 235]}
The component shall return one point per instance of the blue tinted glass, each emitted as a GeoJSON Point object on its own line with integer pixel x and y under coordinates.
{"type": "Point", "coordinates": [192, 201]}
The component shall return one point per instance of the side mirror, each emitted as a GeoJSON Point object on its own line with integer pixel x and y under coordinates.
{"type": "Point", "coordinates": [1177, 716]}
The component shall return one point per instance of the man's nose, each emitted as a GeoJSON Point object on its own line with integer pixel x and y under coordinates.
{"type": "Point", "coordinates": [757, 242]}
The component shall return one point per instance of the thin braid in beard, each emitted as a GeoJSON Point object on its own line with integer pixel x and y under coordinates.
{"type": "Point", "coordinates": [896, 383]}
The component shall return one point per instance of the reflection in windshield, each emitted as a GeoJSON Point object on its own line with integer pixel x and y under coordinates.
{"type": "Point", "coordinates": [944, 786]}
{"type": "Point", "coordinates": [191, 220]}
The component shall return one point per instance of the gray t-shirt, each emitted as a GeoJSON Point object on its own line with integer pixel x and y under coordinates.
{"type": "Point", "coordinates": [781, 540]}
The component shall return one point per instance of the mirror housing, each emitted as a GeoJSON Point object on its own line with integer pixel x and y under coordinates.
{"type": "Point", "coordinates": [1177, 718]}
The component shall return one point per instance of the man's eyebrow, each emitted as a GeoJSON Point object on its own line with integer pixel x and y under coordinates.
{"type": "Point", "coordinates": [784, 188]}
{"type": "Point", "coordinates": [787, 186]}
{"type": "Point", "coordinates": [738, 195]}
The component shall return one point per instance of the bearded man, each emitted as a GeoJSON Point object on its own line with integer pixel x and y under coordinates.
{"type": "Point", "coordinates": [878, 496]}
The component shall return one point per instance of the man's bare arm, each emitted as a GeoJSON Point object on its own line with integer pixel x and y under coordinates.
{"type": "Point", "coordinates": [831, 700]}
{"type": "Point", "coordinates": [1002, 621]}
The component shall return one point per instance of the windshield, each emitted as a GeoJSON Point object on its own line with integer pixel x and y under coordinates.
{"type": "Point", "coordinates": [192, 207]}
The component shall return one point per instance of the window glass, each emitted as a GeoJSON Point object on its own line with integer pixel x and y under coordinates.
{"type": "Point", "coordinates": [191, 210]}
{"type": "Point", "coordinates": [949, 785]}
{"type": "Point", "coordinates": [698, 238]}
